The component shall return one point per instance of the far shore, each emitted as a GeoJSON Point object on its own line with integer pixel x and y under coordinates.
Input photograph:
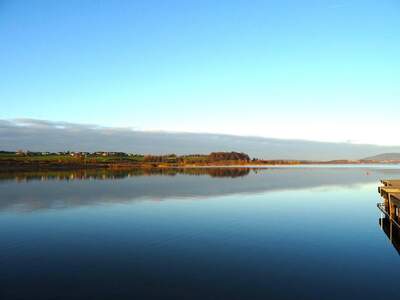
{"type": "Point", "coordinates": [46, 161]}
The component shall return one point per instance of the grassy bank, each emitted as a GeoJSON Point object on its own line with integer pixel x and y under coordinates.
{"type": "Point", "coordinates": [35, 161]}
{"type": "Point", "coordinates": [10, 161]}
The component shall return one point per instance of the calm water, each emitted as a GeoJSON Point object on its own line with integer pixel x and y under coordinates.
{"type": "Point", "coordinates": [280, 233]}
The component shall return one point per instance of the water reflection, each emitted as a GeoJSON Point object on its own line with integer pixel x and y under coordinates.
{"type": "Point", "coordinates": [211, 237]}
{"type": "Point", "coordinates": [392, 231]}
{"type": "Point", "coordinates": [55, 190]}
{"type": "Point", "coordinates": [104, 174]}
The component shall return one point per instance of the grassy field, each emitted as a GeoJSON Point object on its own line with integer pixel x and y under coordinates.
{"type": "Point", "coordinates": [68, 161]}
{"type": "Point", "coordinates": [64, 161]}
{"type": "Point", "coordinates": [69, 158]}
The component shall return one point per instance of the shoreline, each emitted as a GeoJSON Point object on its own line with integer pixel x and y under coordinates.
{"type": "Point", "coordinates": [65, 161]}
{"type": "Point", "coordinates": [35, 167]}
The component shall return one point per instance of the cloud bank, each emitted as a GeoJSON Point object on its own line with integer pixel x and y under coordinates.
{"type": "Point", "coordinates": [42, 135]}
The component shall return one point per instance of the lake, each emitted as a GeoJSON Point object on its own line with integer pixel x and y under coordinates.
{"type": "Point", "coordinates": [216, 233]}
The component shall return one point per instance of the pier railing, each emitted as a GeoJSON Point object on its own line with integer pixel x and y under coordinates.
{"type": "Point", "coordinates": [381, 207]}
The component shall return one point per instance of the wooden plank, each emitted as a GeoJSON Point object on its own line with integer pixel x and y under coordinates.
{"type": "Point", "coordinates": [390, 189]}
{"type": "Point", "coordinates": [385, 190]}
{"type": "Point", "coordinates": [391, 182]}
{"type": "Point", "coordinates": [395, 197]}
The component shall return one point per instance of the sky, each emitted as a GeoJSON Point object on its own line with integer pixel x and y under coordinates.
{"type": "Point", "coordinates": [313, 70]}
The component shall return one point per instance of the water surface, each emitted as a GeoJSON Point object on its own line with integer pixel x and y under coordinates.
{"type": "Point", "coordinates": [274, 233]}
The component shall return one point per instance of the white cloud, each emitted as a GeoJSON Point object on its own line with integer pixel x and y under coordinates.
{"type": "Point", "coordinates": [42, 135]}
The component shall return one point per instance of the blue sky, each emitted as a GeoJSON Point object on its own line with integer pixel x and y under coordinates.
{"type": "Point", "coordinates": [315, 70]}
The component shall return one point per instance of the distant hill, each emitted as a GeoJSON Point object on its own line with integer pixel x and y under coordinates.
{"type": "Point", "coordinates": [384, 156]}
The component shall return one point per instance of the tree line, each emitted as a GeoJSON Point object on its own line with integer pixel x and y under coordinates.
{"type": "Point", "coordinates": [198, 158]}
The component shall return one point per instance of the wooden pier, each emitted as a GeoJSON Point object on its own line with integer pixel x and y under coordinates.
{"type": "Point", "coordinates": [391, 182]}
{"type": "Point", "coordinates": [390, 192]}
{"type": "Point", "coordinates": [387, 190]}
{"type": "Point", "coordinates": [390, 207]}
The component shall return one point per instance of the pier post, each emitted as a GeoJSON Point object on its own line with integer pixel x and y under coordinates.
{"type": "Point", "coordinates": [392, 210]}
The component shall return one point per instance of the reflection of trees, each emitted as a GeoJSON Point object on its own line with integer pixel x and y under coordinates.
{"type": "Point", "coordinates": [226, 172]}
{"type": "Point", "coordinates": [102, 174]}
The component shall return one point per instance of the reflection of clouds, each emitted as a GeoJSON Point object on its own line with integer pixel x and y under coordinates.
{"type": "Point", "coordinates": [42, 135]}
{"type": "Point", "coordinates": [55, 194]}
